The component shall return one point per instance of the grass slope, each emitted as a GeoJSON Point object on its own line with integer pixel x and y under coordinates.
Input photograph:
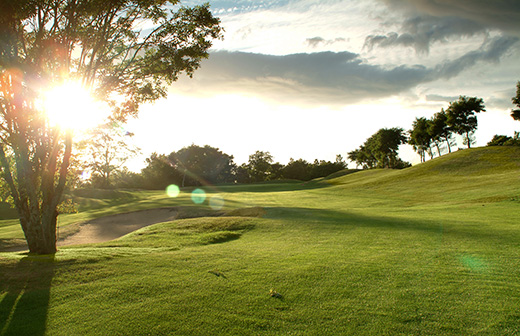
{"type": "Point", "coordinates": [430, 250]}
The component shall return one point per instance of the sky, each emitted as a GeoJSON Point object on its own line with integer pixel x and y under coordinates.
{"type": "Point", "coordinates": [313, 79]}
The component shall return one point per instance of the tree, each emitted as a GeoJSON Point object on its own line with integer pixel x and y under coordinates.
{"type": "Point", "coordinates": [107, 151]}
{"type": "Point", "coordinates": [242, 174]}
{"type": "Point", "coordinates": [516, 100]}
{"type": "Point", "coordinates": [380, 150]}
{"type": "Point", "coordinates": [203, 165]}
{"type": "Point", "coordinates": [324, 168]}
{"type": "Point", "coordinates": [297, 170]}
{"type": "Point", "coordinates": [159, 172]}
{"type": "Point", "coordinates": [439, 130]}
{"type": "Point", "coordinates": [461, 116]}
{"type": "Point", "coordinates": [504, 140]}
{"type": "Point", "coordinates": [384, 145]}
{"type": "Point", "coordinates": [420, 137]}
{"type": "Point", "coordinates": [99, 44]}
{"type": "Point", "coordinates": [363, 157]}
{"type": "Point", "coordinates": [259, 166]}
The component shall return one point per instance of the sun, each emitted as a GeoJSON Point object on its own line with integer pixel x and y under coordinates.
{"type": "Point", "coordinates": [72, 107]}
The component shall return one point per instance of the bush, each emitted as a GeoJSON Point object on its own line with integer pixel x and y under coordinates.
{"type": "Point", "coordinates": [504, 140]}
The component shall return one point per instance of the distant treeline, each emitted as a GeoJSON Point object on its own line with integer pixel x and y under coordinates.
{"type": "Point", "coordinates": [195, 165]}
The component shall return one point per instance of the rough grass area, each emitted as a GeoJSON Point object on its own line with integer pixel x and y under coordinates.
{"type": "Point", "coordinates": [429, 250]}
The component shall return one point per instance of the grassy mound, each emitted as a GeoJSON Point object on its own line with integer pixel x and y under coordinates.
{"type": "Point", "coordinates": [484, 174]}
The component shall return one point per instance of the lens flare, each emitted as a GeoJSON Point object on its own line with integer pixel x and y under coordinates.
{"type": "Point", "coordinates": [216, 202]}
{"type": "Point", "coordinates": [172, 190]}
{"type": "Point", "coordinates": [198, 196]}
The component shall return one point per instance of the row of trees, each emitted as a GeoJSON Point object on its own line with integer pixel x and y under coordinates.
{"type": "Point", "coordinates": [195, 165]}
{"type": "Point", "coordinates": [459, 118]}
{"type": "Point", "coordinates": [380, 150]}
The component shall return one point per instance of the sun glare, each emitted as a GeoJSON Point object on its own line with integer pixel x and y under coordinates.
{"type": "Point", "coordinates": [71, 106]}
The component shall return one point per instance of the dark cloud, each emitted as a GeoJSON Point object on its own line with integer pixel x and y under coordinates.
{"type": "Point", "coordinates": [316, 41]}
{"type": "Point", "coordinates": [496, 14]}
{"type": "Point", "coordinates": [325, 78]}
{"type": "Point", "coordinates": [317, 78]}
{"type": "Point", "coordinates": [424, 22]}
{"type": "Point", "coordinates": [491, 52]}
{"type": "Point", "coordinates": [421, 31]}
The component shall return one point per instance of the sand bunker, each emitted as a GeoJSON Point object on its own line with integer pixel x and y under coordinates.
{"type": "Point", "coordinates": [115, 226]}
{"type": "Point", "coordinates": [112, 227]}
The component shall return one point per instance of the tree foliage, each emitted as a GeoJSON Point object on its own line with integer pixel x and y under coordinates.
{"type": "Point", "coordinates": [461, 117]}
{"type": "Point", "coordinates": [202, 165]}
{"type": "Point", "coordinates": [297, 170]}
{"type": "Point", "coordinates": [259, 166]}
{"type": "Point", "coordinates": [159, 172]}
{"type": "Point", "coordinates": [107, 150]}
{"type": "Point", "coordinates": [380, 150]}
{"type": "Point", "coordinates": [99, 44]}
{"type": "Point", "coordinates": [515, 114]}
{"type": "Point", "coordinates": [440, 131]}
{"type": "Point", "coordinates": [420, 137]}
{"type": "Point", "coordinates": [504, 140]}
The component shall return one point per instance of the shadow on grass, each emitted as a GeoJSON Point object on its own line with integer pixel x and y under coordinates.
{"type": "Point", "coordinates": [447, 226]}
{"type": "Point", "coordinates": [12, 245]}
{"type": "Point", "coordinates": [274, 186]}
{"type": "Point", "coordinates": [24, 307]}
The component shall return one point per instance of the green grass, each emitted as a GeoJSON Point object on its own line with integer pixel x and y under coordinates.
{"type": "Point", "coordinates": [430, 250]}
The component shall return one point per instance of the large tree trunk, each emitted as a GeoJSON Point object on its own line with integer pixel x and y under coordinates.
{"type": "Point", "coordinates": [40, 231]}
{"type": "Point", "coordinates": [36, 196]}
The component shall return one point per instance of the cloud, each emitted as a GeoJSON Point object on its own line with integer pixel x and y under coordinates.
{"type": "Point", "coordinates": [424, 22]}
{"type": "Point", "coordinates": [490, 52]}
{"type": "Point", "coordinates": [497, 14]}
{"type": "Point", "coordinates": [422, 31]}
{"type": "Point", "coordinates": [316, 41]}
{"type": "Point", "coordinates": [325, 78]}
{"type": "Point", "coordinates": [316, 78]}
{"type": "Point", "coordinates": [440, 98]}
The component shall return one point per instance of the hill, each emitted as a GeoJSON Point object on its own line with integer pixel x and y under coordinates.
{"type": "Point", "coordinates": [484, 174]}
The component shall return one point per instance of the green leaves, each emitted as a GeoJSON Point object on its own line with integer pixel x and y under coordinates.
{"type": "Point", "coordinates": [461, 116]}
{"type": "Point", "coordinates": [380, 150]}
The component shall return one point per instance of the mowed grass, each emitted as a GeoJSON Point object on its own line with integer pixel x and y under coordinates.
{"type": "Point", "coordinates": [430, 250]}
